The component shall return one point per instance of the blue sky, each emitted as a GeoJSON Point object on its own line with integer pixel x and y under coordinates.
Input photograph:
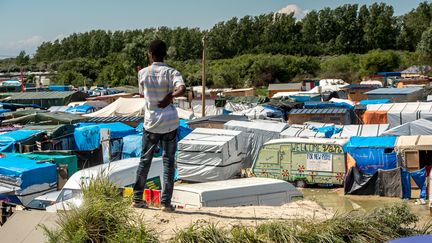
{"type": "Point", "coordinates": [26, 23]}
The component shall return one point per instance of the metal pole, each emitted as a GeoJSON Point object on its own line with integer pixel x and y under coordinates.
{"type": "Point", "coordinates": [204, 40]}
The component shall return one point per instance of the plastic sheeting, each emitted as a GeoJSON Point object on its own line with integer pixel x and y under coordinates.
{"type": "Point", "coordinates": [121, 107]}
{"type": "Point", "coordinates": [419, 178]}
{"type": "Point", "coordinates": [368, 130]}
{"type": "Point", "coordinates": [81, 109]}
{"type": "Point", "coordinates": [210, 155]}
{"type": "Point", "coordinates": [374, 102]}
{"type": "Point", "coordinates": [9, 139]}
{"type": "Point", "coordinates": [260, 112]}
{"type": "Point", "coordinates": [255, 134]}
{"type": "Point", "coordinates": [87, 135]}
{"type": "Point", "coordinates": [418, 127]}
{"type": "Point", "coordinates": [372, 153]}
{"type": "Point", "coordinates": [382, 182]}
{"type": "Point", "coordinates": [328, 131]}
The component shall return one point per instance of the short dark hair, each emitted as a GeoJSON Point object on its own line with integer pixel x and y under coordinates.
{"type": "Point", "coordinates": [158, 49]}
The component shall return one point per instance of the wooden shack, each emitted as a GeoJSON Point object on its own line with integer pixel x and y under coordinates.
{"type": "Point", "coordinates": [356, 92]}
{"type": "Point", "coordinates": [285, 87]}
{"type": "Point", "coordinates": [339, 116]}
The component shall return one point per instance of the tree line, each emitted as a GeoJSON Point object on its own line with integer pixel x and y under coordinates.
{"type": "Point", "coordinates": [252, 50]}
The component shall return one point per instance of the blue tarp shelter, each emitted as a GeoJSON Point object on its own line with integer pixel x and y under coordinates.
{"type": "Point", "coordinates": [329, 104]}
{"type": "Point", "coordinates": [82, 109]}
{"type": "Point", "coordinates": [372, 153]}
{"type": "Point", "coordinates": [22, 173]}
{"type": "Point", "coordinates": [9, 139]}
{"type": "Point", "coordinates": [87, 135]}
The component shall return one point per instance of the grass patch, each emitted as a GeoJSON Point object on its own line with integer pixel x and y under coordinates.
{"type": "Point", "coordinates": [379, 226]}
{"type": "Point", "coordinates": [104, 216]}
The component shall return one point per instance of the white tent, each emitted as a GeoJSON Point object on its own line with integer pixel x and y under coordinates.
{"type": "Point", "coordinates": [367, 130]}
{"type": "Point", "coordinates": [418, 127]}
{"type": "Point", "coordinates": [304, 131]}
{"type": "Point", "coordinates": [209, 155]}
{"type": "Point", "coordinates": [121, 107]}
{"type": "Point", "coordinates": [400, 113]}
{"type": "Point", "coordinates": [255, 133]}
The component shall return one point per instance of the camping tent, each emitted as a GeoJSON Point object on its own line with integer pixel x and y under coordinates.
{"type": "Point", "coordinates": [372, 153]}
{"type": "Point", "coordinates": [121, 107]}
{"type": "Point", "coordinates": [396, 114]}
{"type": "Point", "coordinates": [209, 155]}
{"type": "Point", "coordinates": [418, 127]}
{"type": "Point", "coordinates": [255, 134]}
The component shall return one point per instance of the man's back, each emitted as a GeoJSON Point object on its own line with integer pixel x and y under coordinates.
{"type": "Point", "coordinates": [155, 82]}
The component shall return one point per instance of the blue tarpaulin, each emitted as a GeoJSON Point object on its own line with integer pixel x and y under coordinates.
{"type": "Point", "coordinates": [328, 131]}
{"type": "Point", "coordinates": [80, 109]}
{"type": "Point", "coordinates": [321, 105]}
{"type": "Point", "coordinates": [9, 139]}
{"type": "Point", "coordinates": [25, 172]}
{"type": "Point", "coordinates": [87, 135]}
{"type": "Point", "coordinates": [374, 102]}
{"type": "Point", "coordinates": [406, 184]}
{"type": "Point", "coordinates": [419, 177]}
{"type": "Point", "coordinates": [58, 88]}
{"type": "Point", "coordinates": [372, 153]}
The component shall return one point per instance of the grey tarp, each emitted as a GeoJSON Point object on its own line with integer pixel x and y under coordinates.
{"type": "Point", "coordinates": [54, 131]}
{"type": "Point", "coordinates": [255, 133]}
{"type": "Point", "coordinates": [418, 127]}
{"type": "Point", "coordinates": [209, 155]}
{"type": "Point", "coordinates": [367, 130]}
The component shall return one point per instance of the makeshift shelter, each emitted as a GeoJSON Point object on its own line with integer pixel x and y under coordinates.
{"type": "Point", "coordinates": [46, 99]}
{"type": "Point", "coordinates": [415, 151]}
{"type": "Point", "coordinates": [261, 112]}
{"type": "Point", "coordinates": [240, 92]}
{"type": "Point", "coordinates": [304, 131]}
{"type": "Point", "coordinates": [372, 153]}
{"type": "Point", "coordinates": [283, 87]}
{"type": "Point", "coordinates": [58, 108]}
{"type": "Point", "coordinates": [255, 134]}
{"type": "Point", "coordinates": [58, 137]}
{"type": "Point", "coordinates": [87, 135]}
{"type": "Point", "coordinates": [395, 94]}
{"type": "Point", "coordinates": [70, 162]}
{"type": "Point", "coordinates": [417, 127]}
{"type": "Point", "coordinates": [46, 118]}
{"type": "Point", "coordinates": [340, 116]}
{"type": "Point", "coordinates": [368, 130]}
{"type": "Point", "coordinates": [356, 92]}
{"type": "Point", "coordinates": [81, 109]}
{"type": "Point", "coordinates": [121, 107]}
{"type": "Point", "coordinates": [22, 179]}
{"type": "Point", "coordinates": [13, 141]}
{"type": "Point", "coordinates": [96, 104]}
{"type": "Point", "coordinates": [214, 121]}
{"type": "Point", "coordinates": [111, 98]}
{"type": "Point", "coordinates": [210, 155]}
{"type": "Point", "coordinates": [302, 160]}
{"type": "Point", "coordinates": [396, 114]}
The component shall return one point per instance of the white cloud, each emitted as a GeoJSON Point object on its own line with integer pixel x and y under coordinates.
{"type": "Point", "coordinates": [60, 37]}
{"type": "Point", "coordinates": [299, 13]}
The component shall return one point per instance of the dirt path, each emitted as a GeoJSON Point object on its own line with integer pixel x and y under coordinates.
{"type": "Point", "coordinates": [166, 224]}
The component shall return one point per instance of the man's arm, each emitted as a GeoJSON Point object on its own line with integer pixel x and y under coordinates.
{"type": "Point", "coordinates": [168, 99]}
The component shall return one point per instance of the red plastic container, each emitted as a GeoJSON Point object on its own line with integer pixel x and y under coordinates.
{"type": "Point", "coordinates": [148, 196]}
{"type": "Point", "coordinates": [156, 198]}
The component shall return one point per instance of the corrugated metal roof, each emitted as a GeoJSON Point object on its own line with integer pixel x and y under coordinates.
{"type": "Point", "coordinates": [41, 95]}
{"type": "Point", "coordinates": [319, 111]}
{"type": "Point", "coordinates": [285, 86]}
{"type": "Point", "coordinates": [116, 119]}
{"type": "Point", "coordinates": [393, 91]}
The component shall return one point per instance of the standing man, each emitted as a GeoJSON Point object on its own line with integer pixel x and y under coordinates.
{"type": "Point", "coordinates": [159, 84]}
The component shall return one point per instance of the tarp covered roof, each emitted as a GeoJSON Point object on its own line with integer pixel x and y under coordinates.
{"type": "Point", "coordinates": [414, 142]}
{"type": "Point", "coordinates": [308, 141]}
{"type": "Point", "coordinates": [418, 127]}
{"type": "Point", "coordinates": [285, 86]}
{"type": "Point", "coordinates": [394, 91]}
{"type": "Point", "coordinates": [372, 142]}
{"type": "Point", "coordinates": [46, 118]}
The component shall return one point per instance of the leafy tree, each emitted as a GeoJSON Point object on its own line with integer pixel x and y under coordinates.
{"type": "Point", "coordinates": [379, 61]}
{"type": "Point", "coordinates": [424, 47]}
{"type": "Point", "coordinates": [22, 59]}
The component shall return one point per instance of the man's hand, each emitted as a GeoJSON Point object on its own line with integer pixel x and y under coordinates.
{"type": "Point", "coordinates": [166, 101]}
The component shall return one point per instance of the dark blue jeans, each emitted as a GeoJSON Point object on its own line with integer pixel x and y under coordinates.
{"type": "Point", "coordinates": [169, 146]}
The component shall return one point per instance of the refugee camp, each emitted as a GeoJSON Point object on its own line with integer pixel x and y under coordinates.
{"type": "Point", "coordinates": [244, 121]}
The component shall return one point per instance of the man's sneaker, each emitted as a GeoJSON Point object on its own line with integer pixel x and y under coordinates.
{"type": "Point", "coordinates": [139, 204]}
{"type": "Point", "coordinates": [168, 208]}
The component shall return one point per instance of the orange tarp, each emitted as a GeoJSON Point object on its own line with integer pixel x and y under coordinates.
{"type": "Point", "coordinates": [350, 162]}
{"type": "Point", "coordinates": [375, 117]}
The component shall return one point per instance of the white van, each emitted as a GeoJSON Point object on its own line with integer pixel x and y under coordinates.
{"type": "Point", "coordinates": [122, 173]}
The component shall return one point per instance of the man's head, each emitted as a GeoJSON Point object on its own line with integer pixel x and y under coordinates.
{"type": "Point", "coordinates": [157, 51]}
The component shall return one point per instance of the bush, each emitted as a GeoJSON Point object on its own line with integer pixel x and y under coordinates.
{"type": "Point", "coordinates": [104, 216]}
{"type": "Point", "coordinates": [379, 61]}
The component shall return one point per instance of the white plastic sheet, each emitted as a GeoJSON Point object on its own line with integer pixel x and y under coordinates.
{"type": "Point", "coordinates": [210, 155]}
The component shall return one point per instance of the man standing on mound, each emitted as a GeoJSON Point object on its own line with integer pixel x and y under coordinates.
{"type": "Point", "coordinates": [159, 84]}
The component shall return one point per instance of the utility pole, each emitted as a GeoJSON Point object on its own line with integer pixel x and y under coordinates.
{"type": "Point", "coordinates": [204, 41]}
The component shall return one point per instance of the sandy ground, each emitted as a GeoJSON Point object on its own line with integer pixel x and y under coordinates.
{"type": "Point", "coordinates": [166, 224]}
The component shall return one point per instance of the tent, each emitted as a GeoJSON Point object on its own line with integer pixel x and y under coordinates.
{"type": "Point", "coordinates": [396, 114]}
{"type": "Point", "coordinates": [372, 153]}
{"type": "Point", "coordinates": [418, 127]}
{"type": "Point", "coordinates": [255, 134]}
{"type": "Point", "coordinates": [46, 98]}
{"type": "Point", "coordinates": [121, 107]}
{"type": "Point", "coordinates": [210, 155]}
{"type": "Point", "coordinates": [23, 179]}
{"type": "Point", "coordinates": [81, 109]}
